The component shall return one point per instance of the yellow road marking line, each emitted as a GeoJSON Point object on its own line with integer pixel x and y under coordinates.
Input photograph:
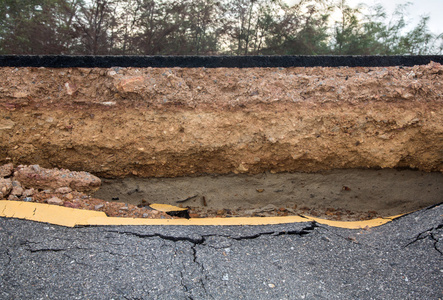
{"type": "Point", "coordinates": [70, 217]}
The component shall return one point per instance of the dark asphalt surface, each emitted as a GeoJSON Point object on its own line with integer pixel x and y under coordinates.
{"type": "Point", "coordinates": [400, 260]}
{"type": "Point", "coordinates": [261, 61]}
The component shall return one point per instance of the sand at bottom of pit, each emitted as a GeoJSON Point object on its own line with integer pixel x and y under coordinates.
{"type": "Point", "coordinates": [351, 194]}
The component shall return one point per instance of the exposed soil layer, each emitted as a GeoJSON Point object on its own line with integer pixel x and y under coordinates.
{"type": "Point", "coordinates": [337, 194]}
{"type": "Point", "coordinates": [153, 122]}
{"type": "Point", "coordinates": [65, 188]}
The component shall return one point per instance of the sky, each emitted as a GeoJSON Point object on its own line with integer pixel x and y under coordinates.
{"type": "Point", "coordinates": [432, 8]}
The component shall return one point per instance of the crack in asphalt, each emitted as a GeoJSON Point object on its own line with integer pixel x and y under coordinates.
{"type": "Point", "coordinates": [8, 254]}
{"type": "Point", "coordinates": [29, 248]}
{"type": "Point", "coordinates": [201, 241]}
{"type": "Point", "coordinates": [429, 233]}
{"type": "Point", "coordinates": [202, 270]}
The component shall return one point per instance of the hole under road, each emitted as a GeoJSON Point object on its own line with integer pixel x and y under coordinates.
{"type": "Point", "coordinates": [351, 194]}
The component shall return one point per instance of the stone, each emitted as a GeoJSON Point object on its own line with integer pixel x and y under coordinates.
{"type": "Point", "coordinates": [42, 178]}
{"type": "Point", "coordinates": [13, 198]}
{"type": "Point", "coordinates": [55, 200]}
{"type": "Point", "coordinates": [99, 206]}
{"type": "Point", "coordinates": [71, 88]}
{"type": "Point", "coordinates": [28, 192]}
{"type": "Point", "coordinates": [130, 85]}
{"type": "Point", "coordinates": [17, 191]}
{"type": "Point", "coordinates": [72, 204]}
{"type": "Point", "coordinates": [6, 170]}
{"type": "Point", "coordinates": [63, 190]}
{"type": "Point", "coordinates": [69, 196]}
{"type": "Point", "coordinates": [5, 186]}
{"type": "Point", "coordinates": [6, 124]}
{"type": "Point", "coordinates": [242, 168]}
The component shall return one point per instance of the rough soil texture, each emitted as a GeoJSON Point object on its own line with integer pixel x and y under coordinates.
{"type": "Point", "coordinates": [64, 188]}
{"type": "Point", "coordinates": [154, 122]}
{"type": "Point", "coordinates": [42, 178]}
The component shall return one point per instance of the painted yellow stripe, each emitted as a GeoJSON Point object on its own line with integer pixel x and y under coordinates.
{"type": "Point", "coordinates": [53, 214]}
{"type": "Point", "coordinates": [166, 207]}
{"type": "Point", "coordinates": [71, 217]}
{"type": "Point", "coordinates": [355, 224]}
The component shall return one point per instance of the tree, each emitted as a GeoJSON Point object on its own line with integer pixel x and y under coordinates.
{"type": "Point", "coordinates": [302, 30]}
{"type": "Point", "coordinates": [36, 26]}
{"type": "Point", "coordinates": [92, 23]}
{"type": "Point", "coordinates": [208, 27]}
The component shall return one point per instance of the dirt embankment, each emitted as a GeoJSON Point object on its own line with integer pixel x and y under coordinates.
{"type": "Point", "coordinates": [173, 122]}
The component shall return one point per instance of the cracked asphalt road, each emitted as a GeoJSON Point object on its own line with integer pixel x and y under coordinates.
{"type": "Point", "coordinates": [400, 260]}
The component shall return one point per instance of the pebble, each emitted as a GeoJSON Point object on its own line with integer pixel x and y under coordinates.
{"type": "Point", "coordinates": [28, 199]}
{"type": "Point", "coordinates": [271, 285]}
{"type": "Point", "coordinates": [55, 200]}
{"type": "Point", "coordinates": [145, 215]}
{"type": "Point", "coordinates": [28, 192]}
{"type": "Point", "coordinates": [69, 196]}
{"type": "Point", "coordinates": [6, 170]}
{"type": "Point", "coordinates": [13, 198]}
{"type": "Point", "coordinates": [63, 190]}
{"type": "Point", "coordinates": [71, 204]}
{"type": "Point", "coordinates": [97, 207]}
{"type": "Point", "coordinates": [221, 212]}
{"type": "Point", "coordinates": [17, 191]}
{"type": "Point", "coordinates": [71, 88]}
{"type": "Point", "coordinates": [5, 186]}
{"type": "Point", "coordinates": [225, 277]}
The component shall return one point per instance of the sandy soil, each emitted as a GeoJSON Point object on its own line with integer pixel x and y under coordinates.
{"type": "Point", "coordinates": [337, 194]}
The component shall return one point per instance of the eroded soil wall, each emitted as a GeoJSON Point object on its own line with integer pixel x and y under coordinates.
{"type": "Point", "coordinates": [173, 122]}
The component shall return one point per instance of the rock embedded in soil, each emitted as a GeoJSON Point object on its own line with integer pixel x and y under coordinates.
{"type": "Point", "coordinates": [42, 178]}
{"type": "Point", "coordinates": [28, 192]}
{"type": "Point", "coordinates": [63, 190]}
{"type": "Point", "coordinates": [17, 190]}
{"type": "Point", "coordinates": [55, 200]}
{"type": "Point", "coordinates": [5, 187]}
{"type": "Point", "coordinates": [6, 170]}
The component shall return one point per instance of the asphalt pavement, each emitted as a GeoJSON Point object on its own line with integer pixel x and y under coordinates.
{"type": "Point", "coordinates": [399, 260]}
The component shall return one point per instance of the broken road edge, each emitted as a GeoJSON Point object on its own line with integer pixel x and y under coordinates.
{"type": "Point", "coordinates": [71, 217]}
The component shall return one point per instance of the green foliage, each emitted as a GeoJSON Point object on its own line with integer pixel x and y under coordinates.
{"type": "Point", "coordinates": [209, 27]}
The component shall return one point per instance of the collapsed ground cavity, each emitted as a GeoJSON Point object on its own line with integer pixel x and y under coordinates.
{"type": "Point", "coordinates": [338, 194]}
